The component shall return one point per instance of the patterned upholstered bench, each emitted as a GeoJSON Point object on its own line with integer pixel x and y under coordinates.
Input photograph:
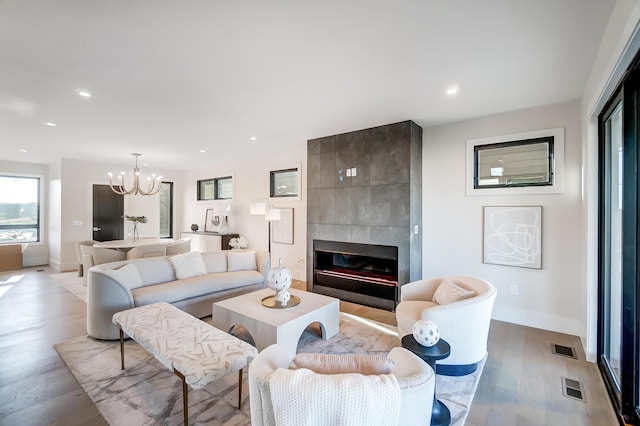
{"type": "Point", "coordinates": [195, 351]}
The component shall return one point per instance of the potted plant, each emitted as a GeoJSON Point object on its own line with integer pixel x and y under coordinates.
{"type": "Point", "coordinates": [136, 220]}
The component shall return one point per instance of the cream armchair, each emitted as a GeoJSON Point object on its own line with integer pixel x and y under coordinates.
{"type": "Point", "coordinates": [415, 378]}
{"type": "Point", "coordinates": [92, 256]}
{"type": "Point", "coordinates": [179, 247]}
{"type": "Point", "coordinates": [464, 324]}
{"type": "Point", "coordinates": [79, 254]}
{"type": "Point", "coordinates": [149, 250]}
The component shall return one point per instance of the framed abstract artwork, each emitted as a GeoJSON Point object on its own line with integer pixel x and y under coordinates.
{"type": "Point", "coordinates": [512, 236]}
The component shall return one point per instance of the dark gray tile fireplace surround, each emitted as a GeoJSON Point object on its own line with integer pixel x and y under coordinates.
{"type": "Point", "coordinates": [381, 203]}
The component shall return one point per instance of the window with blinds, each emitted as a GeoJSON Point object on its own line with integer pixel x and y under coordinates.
{"type": "Point", "coordinates": [220, 188]}
{"type": "Point", "coordinates": [519, 163]}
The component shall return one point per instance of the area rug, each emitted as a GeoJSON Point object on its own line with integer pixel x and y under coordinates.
{"type": "Point", "coordinates": [72, 282]}
{"type": "Point", "coordinates": [146, 393]}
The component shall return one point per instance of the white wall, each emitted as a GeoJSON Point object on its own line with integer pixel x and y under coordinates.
{"type": "Point", "coordinates": [251, 182]}
{"type": "Point", "coordinates": [35, 253]}
{"type": "Point", "coordinates": [552, 297]}
{"type": "Point", "coordinates": [618, 46]}
{"type": "Point", "coordinates": [54, 230]}
{"type": "Point", "coordinates": [76, 217]}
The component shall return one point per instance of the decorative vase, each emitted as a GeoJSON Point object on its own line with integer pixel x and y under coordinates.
{"type": "Point", "coordinates": [223, 227]}
{"type": "Point", "coordinates": [280, 280]}
{"type": "Point", "coordinates": [426, 332]}
{"type": "Point", "coordinates": [194, 227]}
{"type": "Point", "coordinates": [282, 296]}
{"type": "Point", "coordinates": [134, 233]}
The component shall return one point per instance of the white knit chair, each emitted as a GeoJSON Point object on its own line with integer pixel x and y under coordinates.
{"type": "Point", "coordinates": [463, 324]}
{"type": "Point", "coordinates": [415, 378]}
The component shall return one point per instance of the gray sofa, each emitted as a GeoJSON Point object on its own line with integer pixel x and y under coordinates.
{"type": "Point", "coordinates": [116, 286]}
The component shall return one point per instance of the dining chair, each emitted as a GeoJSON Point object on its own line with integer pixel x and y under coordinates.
{"type": "Point", "coordinates": [149, 250]}
{"type": "Point", "coordinates": [79, 254]}
{"type": "Point", "coordinates": [178, 247]}
{"type": "Point", "coordinates": [92, 256]}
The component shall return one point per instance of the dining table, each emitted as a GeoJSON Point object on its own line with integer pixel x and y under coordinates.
{"type": "Point", "coordinates": [130, 243]}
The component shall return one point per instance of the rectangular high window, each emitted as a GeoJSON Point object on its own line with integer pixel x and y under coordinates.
{"type": "Point", "coordinates": [224, 188]}
{"type": "Point", "coordinates": [215, 189]}
{"type": "Point", "coordinates": [284, 183]}
{"type": "Point", "coordinates": [19, 209]}
{"type": "Point", "coordinates": [516, 163]}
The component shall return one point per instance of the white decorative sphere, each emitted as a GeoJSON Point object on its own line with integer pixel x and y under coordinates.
{"type": "Point", "coordinates": [426, 332]}
{"type": "Point", "coordinates": [279, 278]}
{"type": "Point", "coordinates": [282, 296]}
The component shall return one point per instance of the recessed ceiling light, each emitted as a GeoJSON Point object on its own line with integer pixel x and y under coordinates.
{"type": "Point", "coordinates": [253, 138]}
{"type": "Point", "coordinates": [84, 93]}
{"type": "Point", "coordinates": [453, 90]}
{"type": "Point", "coordinates": [22, 150]}
{"type": "Point", "coordinates": [51, 124]}
{"type": "Point", "coordinates": [203, 151]}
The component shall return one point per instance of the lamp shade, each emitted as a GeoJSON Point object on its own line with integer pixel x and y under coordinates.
{"type": "Point", "coordinates": [272, 214]}
{"type": "Point", "coordinates": [258, 208]}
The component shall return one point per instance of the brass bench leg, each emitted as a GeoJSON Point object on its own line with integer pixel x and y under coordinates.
{"type": "Point", "coordinates": [240, 389]}
{"type": "Point", "coordinates": [185, 397]}
{"type": "Point", "coordinates": [121, 349]}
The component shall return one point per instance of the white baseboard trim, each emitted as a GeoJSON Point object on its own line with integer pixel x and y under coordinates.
{"type": "Point", "coordinates": [590, 356]}
{"type": "Point", "coordinates": [55, 265]}
{"type": "Point", "coordinates": [540, 320]}
{"type": "Point", "coordinates": [68, 267]}
{"type": "Point", "coordinates": [35, 261]}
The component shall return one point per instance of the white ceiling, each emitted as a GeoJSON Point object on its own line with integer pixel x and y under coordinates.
{"type": "Point", "coordinates": [171, 77]}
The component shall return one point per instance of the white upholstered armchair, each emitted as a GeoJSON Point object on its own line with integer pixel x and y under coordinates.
{"type": "Point", "coordinates": [148, 250]}
{"type": "Point", "coordinates": [275, 386]}
{"type": "Point", "coordinates": [92, 256]}
{"type": "Point", "coordinates": [463, 316]}
{"type": "Point", "coordinates": [179, 247]}
{"type": "Point", "coordinates": [79, 254]}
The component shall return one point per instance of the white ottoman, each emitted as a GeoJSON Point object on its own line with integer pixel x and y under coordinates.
{"type": "Point", "coordinates": [195, 351]}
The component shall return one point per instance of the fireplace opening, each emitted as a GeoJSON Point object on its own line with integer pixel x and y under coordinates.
{"type": "Point", "coordinates": [361, 273]}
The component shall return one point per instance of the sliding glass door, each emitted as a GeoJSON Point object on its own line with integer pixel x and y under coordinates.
{"type": "Point", "coordinates": [619, 256]}
{"type": "Point", "coordinates": [611, 278]}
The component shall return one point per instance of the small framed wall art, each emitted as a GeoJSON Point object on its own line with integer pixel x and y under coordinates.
{"type": "Point", "coordinates": [211, 221]}
{"type": "Point", "coordinates": [282, 230]}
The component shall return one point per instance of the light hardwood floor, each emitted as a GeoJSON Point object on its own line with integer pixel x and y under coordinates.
{"type": "Point", "coordinates": [36, 388]}
{"type": "Point", "coordinates": [520, 385]}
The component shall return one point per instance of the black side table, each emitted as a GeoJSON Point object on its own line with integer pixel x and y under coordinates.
{"type": "Point", "coordinates": [440, 415]}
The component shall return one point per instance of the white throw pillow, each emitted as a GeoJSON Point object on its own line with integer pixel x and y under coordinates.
{"type": "Point", "coordinates": [449, 292]}
{"type": "Point", "coordinates": [241, 261]}
{"type": "Point", "coordinates": [126, 275]}
{"type": "Point", "coordinates": [343, 363]}
{"type": "Point", "coordinates": [188, 265]}
{"type": "Point", "coordinates": [215, 261]}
